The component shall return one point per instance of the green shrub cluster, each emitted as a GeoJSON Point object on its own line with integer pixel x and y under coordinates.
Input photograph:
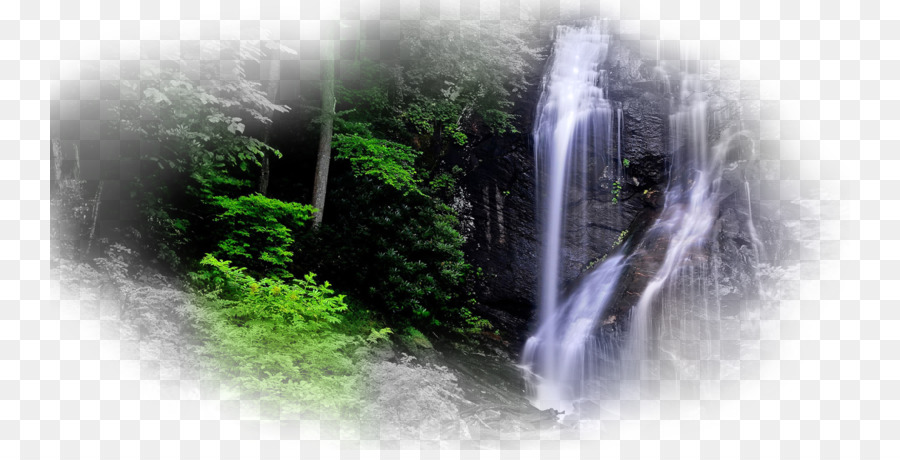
{"type": "Point", "coordinates": [275, 339]}
{"type": "Point", "coordinates": [390, 162]}
{"type": "Point", "coordinates": [401, 254]}
{"type": "Point", "coordinates": [301, 365]}
{"type": "Point", "coordinates": [258, 231]}
{"type": "Point", "coordinates": [301, 300]}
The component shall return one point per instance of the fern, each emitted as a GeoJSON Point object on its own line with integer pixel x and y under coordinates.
{"type": "Point", "coordinates": [301, 300]}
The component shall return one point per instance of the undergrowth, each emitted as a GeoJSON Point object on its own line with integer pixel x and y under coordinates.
{"type": "Point", "coordinates": [295, 343]}
{"type": "Point", "coordinates": [279, 340]}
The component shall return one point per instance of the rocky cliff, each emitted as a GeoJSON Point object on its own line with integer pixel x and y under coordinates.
{"type": "Point", "coordinates": [498, 198]}
{"type": "Point", "coordinates": [498, 192]}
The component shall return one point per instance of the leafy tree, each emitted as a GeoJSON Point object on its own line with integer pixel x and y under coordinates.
{"type": "Point", "coordinates": [455, 72]}
{"type": "Point", "coordinates": [191, 116]}
{"type": "Point", "coordinates": [390, 162]}
{"type": "Point", "coordinates": [197, 113]}
{"type": "Point", "coordinates": [450, 81]}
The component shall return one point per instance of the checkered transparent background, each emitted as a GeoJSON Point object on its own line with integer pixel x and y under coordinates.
{"type": "Point", "coordinates": [75, 383]}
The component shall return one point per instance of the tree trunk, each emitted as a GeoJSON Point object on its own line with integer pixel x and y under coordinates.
{"type": "Point", "coordinates": [55, 166]}
{"type": "Point", "coordinates": [324, 158]}
{"type": "Point", "coordinates": [76, 173]}
{"type": "Point", "coordinates": [94, 213]}
{"type": "Point", "coordinates": [272, 94]}
{"type": "Point", "coordinates": [264, 174]}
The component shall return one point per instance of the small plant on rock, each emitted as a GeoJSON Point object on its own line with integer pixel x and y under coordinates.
{"type": "Point", "coordinates": [616, 191]}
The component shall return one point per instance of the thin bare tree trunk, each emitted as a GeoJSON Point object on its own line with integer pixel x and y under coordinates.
{"type": "Point", "coordinates": [95, 212]}
{"type": "Point", "coordinates": [325, 133]}
{"type": "Point", "coordinates": [56, 165]}
{"type": "Point", "coordinates": [272, 94]}
{"type": "Point", "coordinates": [77, 173]}
{"type": "Point", "coordinates": [264, 174]}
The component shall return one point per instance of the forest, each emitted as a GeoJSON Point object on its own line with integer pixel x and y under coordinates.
{"type": "Point", "coordinates": [308, 207]}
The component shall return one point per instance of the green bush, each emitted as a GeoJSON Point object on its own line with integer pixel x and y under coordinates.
{"type": "Point", "coordinates": [275, 339]}
{"type": "Point", "coordinates": [270, 298]}
{"type": "Point", "coordinates": [401, 254]}
{"type": "Point", "coordinates": [258, 231]}
{"type": "Point", "coordinates": [389, 162]}
{"type": "Point", "coordinates": [303, 368]}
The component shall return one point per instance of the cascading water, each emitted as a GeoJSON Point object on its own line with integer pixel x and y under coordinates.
{"type": "Point", "coordinates": [689, 213]}
{"type": "Point", "coordinates": [568, 359]}
{"type": "Point", "coordinates": [572, 136]}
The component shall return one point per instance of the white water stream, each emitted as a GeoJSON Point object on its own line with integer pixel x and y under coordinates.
{"type": "Point", "coordinates": [572, 130]}
{"type": "Point", "coordinates": [568, 359]}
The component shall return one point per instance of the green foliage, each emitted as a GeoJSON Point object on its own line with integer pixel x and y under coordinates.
{"type": "Point", "coordinates": [620, 239]}
{"type": "Point", "coordinates": [258, 231]}
{"type": "Point", "coordinates": [616, 190]}
{"type": "Point", "coordinates": [179, 217]}
{"type": "Point", "coordinates": [499, 121]}
{"type": "Point", "coordinates": [377, 336]}
{"type": "Point", "coordinates": [473, 324]}
{"type": "Point", "coordinates": [626, 162]}
{"type": "Point", "coordinates": [443, 181]}
{"type": "Point", "coordinates": [371, 104]}
{"type": "Point", "coordinates": [446, 85]}
{"type": "Point", "coordinates": [415, 339]}
{"type": "Point", "coordinates": [389, 162]}
{"type": "Point", "coordinates": [444, 115]}
{"type": "Point", "coordinates": [197, 114]}
{"type": "Point", "coordinates": [443, 184]}
{"type": "Point", "coordinates": [303, 368]}
{"type": "Point", "coordinates": [420, 277]}
{"type": "Point", "coordinates": [401, 254]}
{"type": "Point", "coordinates": [278, 339]}
{"type": "Point", "coordinates": [462, 70]}
{"type": "Point", "coordinates": [302, 300]}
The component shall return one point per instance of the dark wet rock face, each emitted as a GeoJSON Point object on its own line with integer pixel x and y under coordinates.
{"type": "Point", "coordinates": [645, 100]}
{"type": "Point", "coordinates": [499, 221]}
{"type": "Point", "coordinates": [498, 194]}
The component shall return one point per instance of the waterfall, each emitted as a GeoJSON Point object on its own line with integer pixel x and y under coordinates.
{"type": "Point", "coordinates": [573, 116]}
{"type": "Point", "coordinates": [568, 359]}
{"type": "Point", "coordinates": [688, 215]}
{"type": "Point", "coordinates": [572, 136]}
